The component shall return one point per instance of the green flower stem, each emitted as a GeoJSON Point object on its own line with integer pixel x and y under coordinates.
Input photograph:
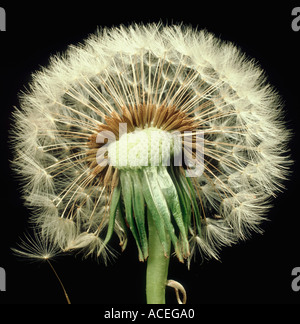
{"type": "Point", "coordinates": [157, 265]}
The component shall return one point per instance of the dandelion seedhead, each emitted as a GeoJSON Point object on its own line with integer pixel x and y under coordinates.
{"type": "Point", "coordinates": [167, 123]}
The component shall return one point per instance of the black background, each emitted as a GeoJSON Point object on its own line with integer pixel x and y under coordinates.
{"type": "Point", "coordinates": [256, 271]}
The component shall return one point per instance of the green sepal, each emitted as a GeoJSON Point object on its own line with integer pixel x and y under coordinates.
{"type": "Point", "coordinates": [122, 224]}
{"type": "Point", "coordinates": [139, 211]}
{"type": "Point", "coordinates": [127, 193]}
{"type": "Point", "coordinates": [114, 203]}
{"type": "Point", "coordinates": [158, 206]}
{"type": "Point", "coordinates": [184, 199]}
{"type": "Point", "coordinates": [157, 219]}
{"type": "Point", "coordinates": [189, 189]}
{"type": "Point", "coordinates": [170, 193]}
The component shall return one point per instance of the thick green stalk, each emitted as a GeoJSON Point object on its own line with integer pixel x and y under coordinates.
{"type": "Point", "coordinates": [157, 265]}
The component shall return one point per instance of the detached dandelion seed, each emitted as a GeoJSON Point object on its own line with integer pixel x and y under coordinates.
{"type": "Point", "coordinates": [166, 132]}
{"type": "Point", "coordinates": [34, 248]}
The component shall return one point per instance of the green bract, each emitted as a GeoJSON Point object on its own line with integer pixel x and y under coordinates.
{"type": "Point", "coordinates": [168, 194]}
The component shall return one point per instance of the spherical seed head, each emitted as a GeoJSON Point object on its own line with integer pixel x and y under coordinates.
{"type": "Point", "coordinates": [157, 80]}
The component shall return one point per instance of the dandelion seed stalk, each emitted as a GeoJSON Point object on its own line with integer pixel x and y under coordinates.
{"type": "Point", "coordinates": [157, 266]}
{"type": "Point", "coordinates": [60, 282]}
